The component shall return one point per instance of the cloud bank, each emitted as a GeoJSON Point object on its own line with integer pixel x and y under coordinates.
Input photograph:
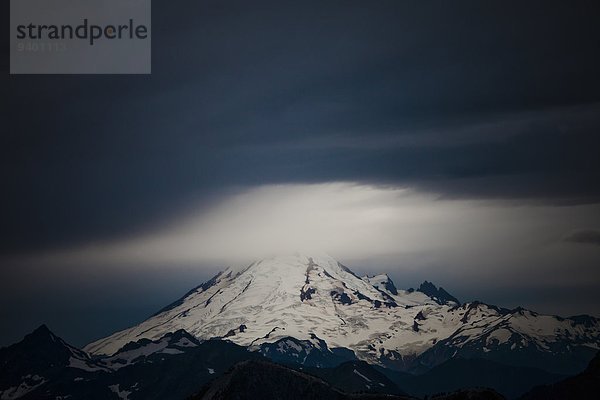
{"type": "Point", "coordinates": [372, 227]}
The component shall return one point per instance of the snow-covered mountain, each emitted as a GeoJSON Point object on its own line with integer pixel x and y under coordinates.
{"type": "Point", "coordinates": [318, 300]}
{"type": "Point", "coordinates": [178, 365]}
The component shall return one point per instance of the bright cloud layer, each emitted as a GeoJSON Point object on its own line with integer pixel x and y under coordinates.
{"type": "Point", "coordinates": [369, 227]}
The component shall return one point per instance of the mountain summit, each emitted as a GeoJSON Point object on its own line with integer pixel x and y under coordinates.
{"type": "Point", "coordinates": [438, 294]}
{"type": "Point", "coordinates": [322, 303]}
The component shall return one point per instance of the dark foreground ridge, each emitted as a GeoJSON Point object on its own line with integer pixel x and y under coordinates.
{"type": "Point", "coordinates": [265, 380]}
{"type": "Point", "coordinates": [582, 387]}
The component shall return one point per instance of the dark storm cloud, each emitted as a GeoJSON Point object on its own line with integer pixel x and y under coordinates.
{"type": "Point", "coordinates": [589, 236]}
{"type": "Point", "coordinates": [486, 100]}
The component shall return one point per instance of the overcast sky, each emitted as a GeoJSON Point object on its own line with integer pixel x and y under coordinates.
{"type": "Point", "coordinates": [450, 141]}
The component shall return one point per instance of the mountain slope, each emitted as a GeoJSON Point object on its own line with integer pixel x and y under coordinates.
{"type": "Point", "coordinates": [310, 353]}
{"type": "Point", "coordinates": [357, 376]}
{"type": "Point", "coordinates": [518, 337]}
{"type": "Point", "coordinates": [317, 297]}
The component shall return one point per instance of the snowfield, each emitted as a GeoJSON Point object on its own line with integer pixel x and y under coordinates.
{"type": "Point", "coordinates": [300, 296]}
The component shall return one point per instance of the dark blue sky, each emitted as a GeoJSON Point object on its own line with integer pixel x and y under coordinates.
{"type": "Point", "coordinates": [495, 101]}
